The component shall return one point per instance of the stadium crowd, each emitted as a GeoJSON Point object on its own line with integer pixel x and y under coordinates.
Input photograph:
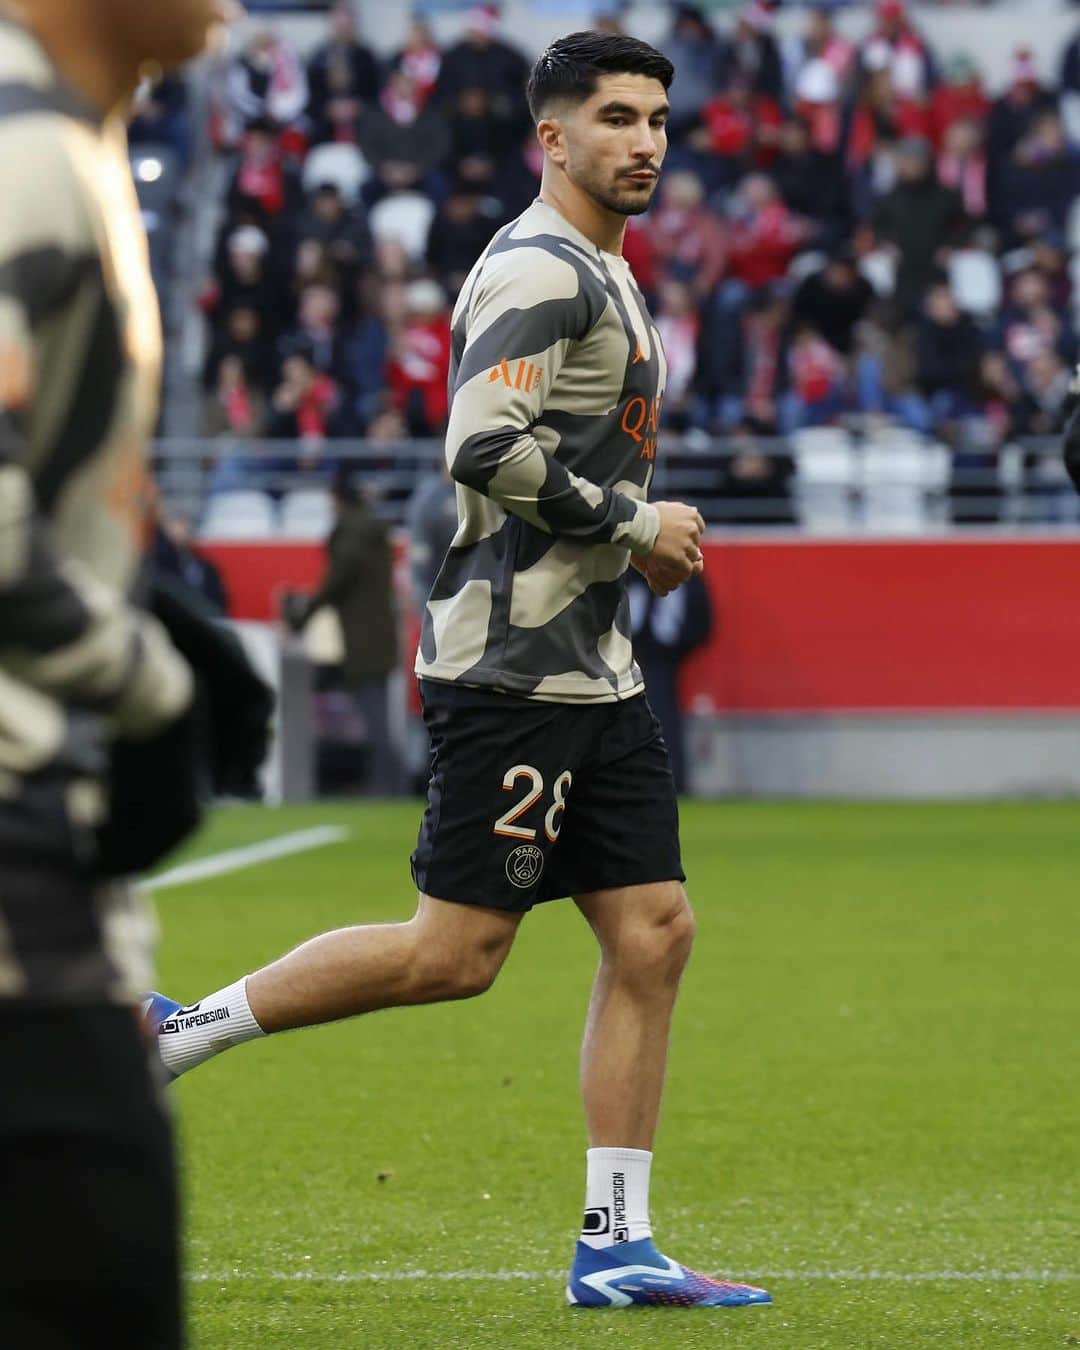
{"type": "Point", "coordinates": [844, 233]}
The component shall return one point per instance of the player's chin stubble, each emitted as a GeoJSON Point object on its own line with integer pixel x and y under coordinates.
{"type": "Point", "coordinates": [625, 201]}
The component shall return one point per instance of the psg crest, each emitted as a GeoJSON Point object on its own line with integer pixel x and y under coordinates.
{"type": "Point", "coordinates": [524, 865]}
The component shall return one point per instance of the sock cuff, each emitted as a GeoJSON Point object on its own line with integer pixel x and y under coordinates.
{"type": "Point", "coordinates": [623, 1155]}
{"type": "Point", "coordinates": [235, 996]}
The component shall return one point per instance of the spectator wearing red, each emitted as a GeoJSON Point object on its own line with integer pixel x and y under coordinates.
{"type": "Point", "coordinates": [235, 408]}
{"type": "Point", "coordinates": [305, 404]}
{"type": "Point", "coordinates": [419, 363]}
{"type": "Point", "coordinates": [818, 104]}
{"type": "Point", "coordinates": [420, 58]}
{"type": "Point", "coordinates": [959, 97]}
{"type": "Point", "coordinates": [678, 323]}
{"type": "Point", "coordinates": [343, 73]}
{"type": "Point", "coordinates": [742, 125]}
{"type": "Point", "coordinates": [765, 234]}
{"type": "Point", "coordinates": [821, 42]}
{"type": "Point", "coordinates": [879, 116]}
{"type": "Point", "coordinates": [962, 165]}
{"type": "Point", "coordinates": [688, 239]}
{"type": "Point", "coordinates": [404, 139]}
{"type": "Point", "coordinates": [763, 360]}
{"type": "Point", "coordinates": [640, 254]}
{"type": "Point", "coordinates": [896, 45]}
{"type": "Point", "coordinates": [267, 83]}
{"type": "Point", "coordinates": [265, 175]}
{"type": "Point", "coordinates": [816, 382]}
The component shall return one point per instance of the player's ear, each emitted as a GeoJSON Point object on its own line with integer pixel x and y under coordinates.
{"type": "Point", "coordinates": [552, 138]}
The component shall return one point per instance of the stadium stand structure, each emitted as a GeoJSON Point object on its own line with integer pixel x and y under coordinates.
{"type": "Point", "coordinates": [343, 179]}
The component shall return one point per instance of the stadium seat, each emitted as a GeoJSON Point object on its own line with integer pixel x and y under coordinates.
{"type": "Point", "coordinates": [340, 164]}
{"type": "Point", "coordinates": [307, 513]}
{"type": "Point", "coordinates": [804, 265]}
{"type": "Point", "coordinates": [240, 515]}
{"type": "Point", "coordinates": [879, 269]}
{"type": "Point", "coordinates": [825, 474]}
{"type": "Point", "coordinates": [900, 475]}
{"type": "Point", "coordinates": [976, 281]}
{"type": "Point", "coordinates": [406, 217]}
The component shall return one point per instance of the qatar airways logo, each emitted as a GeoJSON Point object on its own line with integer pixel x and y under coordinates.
{"type": "Point", "coordinates": [641, 422]}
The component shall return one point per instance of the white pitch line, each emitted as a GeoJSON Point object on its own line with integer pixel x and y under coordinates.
{"type": "Point", "coordinates": [539, 1276]}
{"type": "Point", "coordinates": [233, 859]}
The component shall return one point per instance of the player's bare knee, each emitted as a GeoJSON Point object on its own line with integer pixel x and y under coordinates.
{"type": "Point", "coordinates": [656, 945]}
{"type": "Point", "coordinates": [477, 974]}
{"type": "Point", "coordinates": [675, 935]}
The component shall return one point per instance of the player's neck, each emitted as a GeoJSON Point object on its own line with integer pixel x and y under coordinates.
{"type": "Point", "coordinates": [105, 78]}
{"type": "Point", "coordinates": [602, 227]}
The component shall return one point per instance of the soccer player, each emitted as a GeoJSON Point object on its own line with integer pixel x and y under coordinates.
{"type": "Point", "coordinates": [549, 777]}
{"type": "Point", "coordinates": [96, 768]}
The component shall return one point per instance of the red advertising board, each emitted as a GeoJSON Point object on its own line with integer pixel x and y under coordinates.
{"type": "Point", "coordinates": [813, 625]}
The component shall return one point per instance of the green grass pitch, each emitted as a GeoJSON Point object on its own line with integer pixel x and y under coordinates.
{"type": "Point", "coordinates": [873, 1102]}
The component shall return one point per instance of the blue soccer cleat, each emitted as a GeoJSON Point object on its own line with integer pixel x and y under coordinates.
{"type": "Point", "coordinates": [632, 1273]}
{"type": "Point", "coordinates": [158, 1008]}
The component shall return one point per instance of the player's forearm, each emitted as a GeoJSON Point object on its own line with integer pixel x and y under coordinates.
{"type": "Point", "coordinates": [509, 466]}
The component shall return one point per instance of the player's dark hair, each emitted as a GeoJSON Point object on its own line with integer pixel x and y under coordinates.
{"type": "Point", "coordinates": [570, 68]}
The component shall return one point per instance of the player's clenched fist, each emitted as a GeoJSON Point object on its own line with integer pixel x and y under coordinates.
{"type": "Point", "coordinates": [677, 550]}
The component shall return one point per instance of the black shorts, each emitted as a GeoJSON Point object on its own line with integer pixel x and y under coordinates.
{"type": "Point", "coordinates": [88, 1211]}
{"type": "Point", "coordinates": [533, 801]}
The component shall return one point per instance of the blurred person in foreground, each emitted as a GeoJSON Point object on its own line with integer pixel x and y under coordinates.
{"type": "Point", "coordinates": [97, 751]}
{"type": "Point", "coordinates": [549, 774]}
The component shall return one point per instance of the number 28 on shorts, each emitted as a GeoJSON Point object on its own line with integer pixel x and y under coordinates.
{"type": "Point", "coordinates": [506, 825]}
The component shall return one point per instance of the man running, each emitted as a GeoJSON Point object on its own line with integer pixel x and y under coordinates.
{"type": "Point", "coordinates": [550, 778]}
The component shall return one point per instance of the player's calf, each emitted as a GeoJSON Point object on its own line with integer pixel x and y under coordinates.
{"type": "Point", "coordinates": [446, 951]}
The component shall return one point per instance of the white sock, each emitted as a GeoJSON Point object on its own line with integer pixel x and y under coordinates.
{"type": "Point", "coordinates": [616, 1196]}
{"type": "Point", "coordinates": [192, 1034]}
